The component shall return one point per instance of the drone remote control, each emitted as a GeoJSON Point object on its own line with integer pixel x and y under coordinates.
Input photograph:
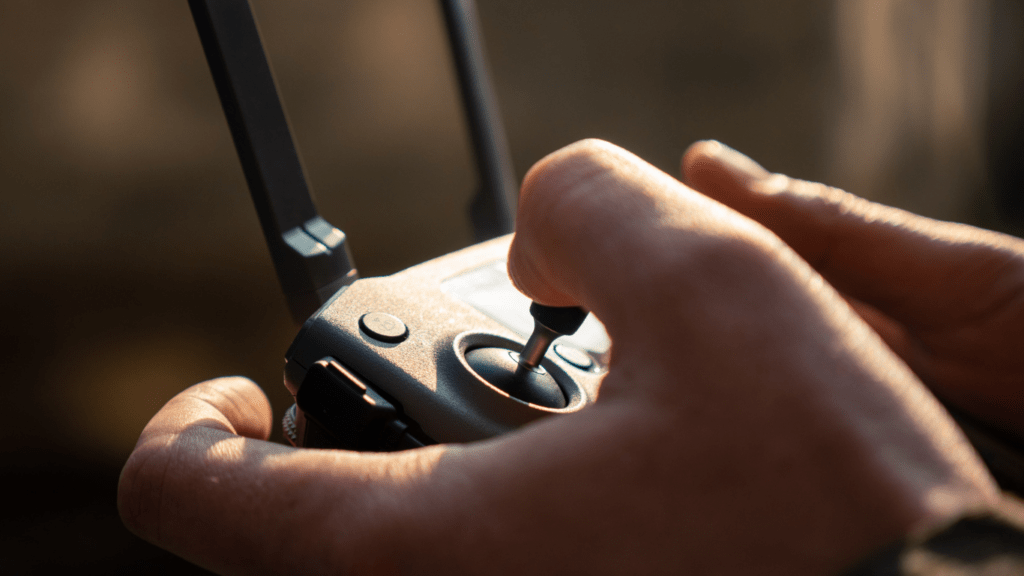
{"type": "Point", "coordinates": [435, 353]}
{"type": "Point", "coordinates": [430, 355]}
{"type": "Point", "coordinates": [446, 351]}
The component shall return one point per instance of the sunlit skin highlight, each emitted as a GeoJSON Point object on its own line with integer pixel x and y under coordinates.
{"type": "Point", "coordinates": [753, 402]}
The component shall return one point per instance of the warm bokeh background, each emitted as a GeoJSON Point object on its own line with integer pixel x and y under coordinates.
{"type": "Point", "coordinates": [131, 262]}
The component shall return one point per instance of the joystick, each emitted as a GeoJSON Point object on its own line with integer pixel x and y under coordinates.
{"type": "Point", "coordinates": [549, 322]}
{"type": "Point", "coordinates": [521, 374]}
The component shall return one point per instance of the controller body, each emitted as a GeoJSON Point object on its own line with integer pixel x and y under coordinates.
{"type": "Point", "coordinates": [382, 365]}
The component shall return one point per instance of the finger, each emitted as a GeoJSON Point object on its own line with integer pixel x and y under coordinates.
{"type": "Point", "coordinates": [889, 258]}
{"type": "Point", "coordinates": [203, 484]}
{"type": "Point", "coordinates": [234, 405]}
{"type": "Point", "coordinates": [711, 315]}
{"type": "Point", "coordinates": [601, 228]}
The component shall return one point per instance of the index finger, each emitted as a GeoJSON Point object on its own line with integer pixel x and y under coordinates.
{"type": "Point", "coordinates": [887, 257]}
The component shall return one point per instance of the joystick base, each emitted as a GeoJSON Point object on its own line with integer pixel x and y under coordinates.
{"type": "Point", "coordinates": [500, 367]}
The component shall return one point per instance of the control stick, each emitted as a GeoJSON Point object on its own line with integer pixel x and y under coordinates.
{"type": "Point", "coordinates": [521, 375]}
{"type": "Point", "coordinates": [549, 322]}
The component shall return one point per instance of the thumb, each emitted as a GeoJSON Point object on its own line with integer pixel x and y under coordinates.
{"type": "Point", "coordinates": [204, 484]}
{"type": "Point", "coordinates": [600, 228]}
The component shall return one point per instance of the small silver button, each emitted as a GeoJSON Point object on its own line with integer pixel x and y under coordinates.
{"type": "Point", "coordinates": [574, 356]}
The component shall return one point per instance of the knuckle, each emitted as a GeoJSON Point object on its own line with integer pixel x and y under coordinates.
{"type": "Point", "coordinates": [815, 195]}
{"type": "Point", "coordinates": [784, 202]}
{"type": "Point", "coordinates": [698, 153]}
{"type": "Point", "coordinates": [572, 165]}
{"type": "Point", "coordinates": [239, 400]}
{"type": "Point", "coordinates": [773, 185]}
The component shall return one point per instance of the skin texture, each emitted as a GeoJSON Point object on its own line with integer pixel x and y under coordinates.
{"type": "Point", "coordinates": [751, 421]}
{"type": "Point", "coordinates": [948, 298]}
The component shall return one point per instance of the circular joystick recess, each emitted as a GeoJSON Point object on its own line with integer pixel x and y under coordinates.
{"type": "Point", "coordinates": [499, 367]}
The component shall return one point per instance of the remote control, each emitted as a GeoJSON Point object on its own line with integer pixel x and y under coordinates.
{"type": "Point", "coordinates": [445, 351]}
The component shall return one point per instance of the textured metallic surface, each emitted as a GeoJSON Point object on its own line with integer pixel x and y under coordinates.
{"type": "Point", "coordinates": [288, 425]}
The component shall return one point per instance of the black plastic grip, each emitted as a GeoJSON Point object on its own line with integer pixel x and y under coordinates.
{"type": "Point", "coordinates": [351, 414]}
{"type": "Point", "coordinates": [562, 320]}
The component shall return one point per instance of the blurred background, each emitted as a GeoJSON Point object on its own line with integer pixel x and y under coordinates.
{"type": "Point", "coordinates": [131, 260]}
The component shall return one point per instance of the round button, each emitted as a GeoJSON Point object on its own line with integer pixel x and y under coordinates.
{"type": "Point", "coordinates": [574, 356]}
{"type": "Point", "coordinates": [383, 327]}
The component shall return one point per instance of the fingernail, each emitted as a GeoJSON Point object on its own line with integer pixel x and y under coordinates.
{"type": "Point", "coordinates": [738, 163]}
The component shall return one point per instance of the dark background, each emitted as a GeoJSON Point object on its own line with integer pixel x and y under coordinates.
{"type": "Point", "coordinates": [132, 265]}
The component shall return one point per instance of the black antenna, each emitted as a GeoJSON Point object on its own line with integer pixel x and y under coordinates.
{"type": "Point", "coordinates": [492, 210]}
{"type": "Point", "coordinates": [310, 256]}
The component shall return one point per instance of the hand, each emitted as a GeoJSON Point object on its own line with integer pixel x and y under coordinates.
{"type": "Point", "coordinates": [948, 298]}
{"type": "Point", "coordinates": [750, 422]}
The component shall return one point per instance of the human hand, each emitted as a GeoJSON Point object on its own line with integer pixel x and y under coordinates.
{"type": "Point", "coordinates": [749, 423]}
{"type": "Point", "coordinates": [948, 298]}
